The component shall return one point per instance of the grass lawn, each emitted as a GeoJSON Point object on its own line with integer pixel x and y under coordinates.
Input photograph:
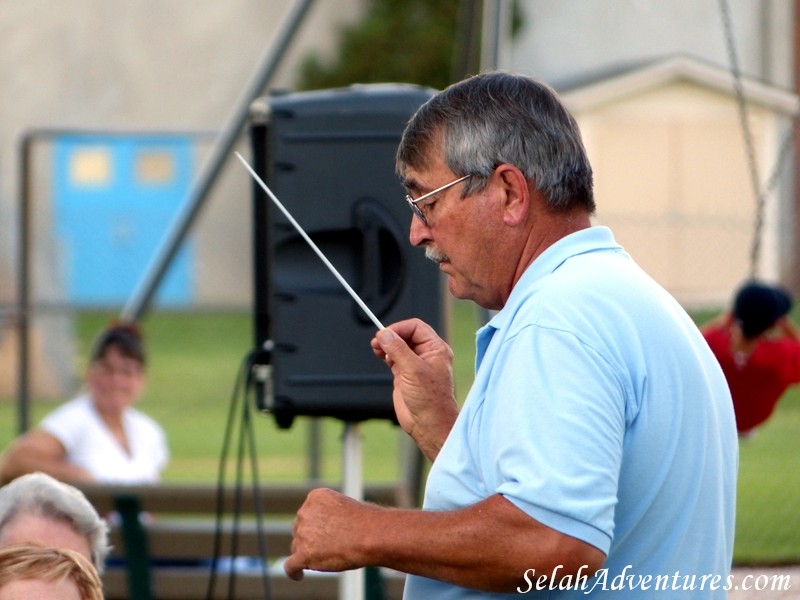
{"type": "Point", "coordinates": [768, 520]}
{"type": "Point", "coordinates": [194, 360]}
{"type": "Point", "coordinates": [768, 496]}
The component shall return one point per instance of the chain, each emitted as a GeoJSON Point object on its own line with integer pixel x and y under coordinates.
{"type": "Point", "coordinates": [760, 196]}
{"type": "Point", "coordinates": [786, 146]}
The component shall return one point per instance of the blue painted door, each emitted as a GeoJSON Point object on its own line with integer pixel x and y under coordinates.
{"type": "Point", "coordinates": [114, 199]}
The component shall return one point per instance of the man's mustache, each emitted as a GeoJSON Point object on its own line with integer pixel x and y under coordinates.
{"type": "Point", "coordinates": [435, 255]}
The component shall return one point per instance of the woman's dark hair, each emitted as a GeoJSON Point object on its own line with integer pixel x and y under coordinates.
{"type": "Point", "coordinates": [125, 337]}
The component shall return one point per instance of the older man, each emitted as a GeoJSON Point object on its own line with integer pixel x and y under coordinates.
{"type": "Point", "coordinates": [598, 436]}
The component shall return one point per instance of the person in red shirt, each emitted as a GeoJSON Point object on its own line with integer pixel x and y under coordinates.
{"type": "Point", "coordinates": [759, 351]}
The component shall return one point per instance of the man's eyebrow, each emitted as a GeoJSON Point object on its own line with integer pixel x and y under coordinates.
{"type": "Point", "coordinates": [411, 184]}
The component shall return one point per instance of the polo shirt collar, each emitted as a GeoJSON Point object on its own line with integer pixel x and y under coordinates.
{"type": "Point", "coordinates": [591, 239]}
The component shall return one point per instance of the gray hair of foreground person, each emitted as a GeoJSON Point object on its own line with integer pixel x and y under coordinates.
{"type": "Point", "coordinates": [43, 495]}
{"type": "Point", "coordinates": [530, 129]}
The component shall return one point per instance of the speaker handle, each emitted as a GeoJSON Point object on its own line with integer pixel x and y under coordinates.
{"type": "Point", "coordinates": [383, 266]}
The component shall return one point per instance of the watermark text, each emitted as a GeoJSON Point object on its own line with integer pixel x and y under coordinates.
{"type": "Point", "coordinates": [628, 579]}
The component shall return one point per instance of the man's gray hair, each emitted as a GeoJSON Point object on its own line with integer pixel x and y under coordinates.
{"type": "Point", "coordinates": [495, 118]}
{"type": "Point", "coordinates": [40, 494]}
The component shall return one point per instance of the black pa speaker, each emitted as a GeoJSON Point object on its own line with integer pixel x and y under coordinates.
{"type": "Point", "coordinates": [329, 158]}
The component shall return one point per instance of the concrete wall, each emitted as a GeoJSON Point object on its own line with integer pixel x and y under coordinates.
{"type": "Point", "coordinates": [145, 65]}
{"type": "Point", "coordinates": [181, 65]}
{"type": "Point", "coordinates": [571, 40]}
{"type": "Point", "coordinates": [152, 65]}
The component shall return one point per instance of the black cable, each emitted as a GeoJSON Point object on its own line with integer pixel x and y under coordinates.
{"type": "Point", "coordinates": [257, 499]}
{"type": "Point", "coordinates": [246, 433]}
{"type": "Point", "coordinates": [237, 511]}
{"type": "Point", "coordinates": [220, 507]}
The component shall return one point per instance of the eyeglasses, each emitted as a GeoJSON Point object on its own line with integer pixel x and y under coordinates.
{"type": "Point", "coordinates": [414, 203]}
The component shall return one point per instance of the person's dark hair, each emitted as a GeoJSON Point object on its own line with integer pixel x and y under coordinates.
{"type": "Point", "coordinates": [758, 306]}
{"type": "Point", "coordinates": [125, 337]}
{"type": "Point", "coordinates": [495, 118]}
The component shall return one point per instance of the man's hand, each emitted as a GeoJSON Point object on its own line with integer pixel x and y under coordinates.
{"type": "Point", "coordinates": [422, 365]}
{"type": "Point", "coordinates": [326, 533]}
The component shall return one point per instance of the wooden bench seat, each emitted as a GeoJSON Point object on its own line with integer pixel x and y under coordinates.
{"type": "Point", "coordinates": [165, 551]}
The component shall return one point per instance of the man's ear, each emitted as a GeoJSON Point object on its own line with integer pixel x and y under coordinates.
{"type": "Point", "coordinates": [516, 195]}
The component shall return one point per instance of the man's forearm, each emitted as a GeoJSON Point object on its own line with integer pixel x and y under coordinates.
{"type": "Point", "coordinates": [487, 546]}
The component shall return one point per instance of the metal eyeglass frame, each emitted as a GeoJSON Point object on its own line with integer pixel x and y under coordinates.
{"type": "Point", "coordinates": [413, 202]}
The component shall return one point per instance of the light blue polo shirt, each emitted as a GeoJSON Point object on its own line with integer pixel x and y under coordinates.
{"type": "Point", "coordinates": [599, 410]}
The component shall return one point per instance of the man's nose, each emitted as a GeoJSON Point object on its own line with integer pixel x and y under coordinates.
{"type": "Point", "coordinates": [418, 232]}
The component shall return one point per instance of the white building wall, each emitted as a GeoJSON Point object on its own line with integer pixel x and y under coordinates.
{"type": "Point", "coordinates": [566, 40]}
{"type": "Point", "coordinates": [573, 42]}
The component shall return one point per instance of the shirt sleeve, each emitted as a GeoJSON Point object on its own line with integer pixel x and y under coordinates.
{"type": "Point", "coordinates": [162, 449]}
{"type": "Point", "coordinates": [65, 423]}
{"type": "Point", "coordinates": [562, 468]}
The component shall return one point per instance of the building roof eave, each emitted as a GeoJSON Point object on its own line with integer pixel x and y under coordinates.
{"type": "Point", "coordinates": [678, 68]}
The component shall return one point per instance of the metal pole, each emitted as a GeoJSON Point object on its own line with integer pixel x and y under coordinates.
{"type": "Point", "coordinates": [23, 293]}
{"type": "Point", "coordinates": [495, 35]}
{"type": "Point", "coordinates": [351, 583]}
{"type": "Point", "coordinates": [140, 300]}
{"type": "Point", "coordinates": [794, 262]}
{"type": "Point", "coordinates": [466, 58]}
